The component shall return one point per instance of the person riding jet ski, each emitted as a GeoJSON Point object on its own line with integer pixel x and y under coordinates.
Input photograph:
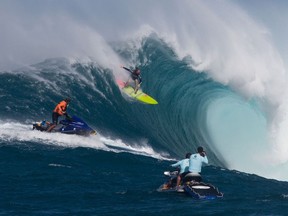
{"type": "Point", "coordinates": [59, 110]}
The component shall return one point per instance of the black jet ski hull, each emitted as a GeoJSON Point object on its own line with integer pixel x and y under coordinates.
{"type": "Point", "coordinates": [192, 185]}
{"type": "Point", "coordinates": [201, 190]}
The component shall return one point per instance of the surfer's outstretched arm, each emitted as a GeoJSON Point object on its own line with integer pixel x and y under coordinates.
{"type": "Point", "coordinates": [127, 69]}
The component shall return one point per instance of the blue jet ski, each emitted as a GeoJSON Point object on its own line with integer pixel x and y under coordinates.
{"type": "Point", "coordinates": [73, 125]}
{"type": "Point", "coordinates": [192, 185]}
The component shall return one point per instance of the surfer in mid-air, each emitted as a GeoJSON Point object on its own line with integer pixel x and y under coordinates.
{"type": "Point", "coordinates": [135, 76]}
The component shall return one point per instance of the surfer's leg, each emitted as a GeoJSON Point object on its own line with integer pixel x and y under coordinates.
{"type": "Point", "coordinates": [136, 85]}
{"type": "Point", "coordinates": [126, 83]}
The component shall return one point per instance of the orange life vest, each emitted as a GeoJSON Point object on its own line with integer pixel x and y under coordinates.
{"type": "Point", "coordinates": [61, 107]}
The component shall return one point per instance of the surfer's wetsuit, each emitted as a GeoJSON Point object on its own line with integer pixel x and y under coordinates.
{"type": "Point", "coordinates": [135, 75]}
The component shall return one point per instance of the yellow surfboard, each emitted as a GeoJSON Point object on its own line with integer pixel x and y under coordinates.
{"type": "Point", "coordinates": [140, 95]}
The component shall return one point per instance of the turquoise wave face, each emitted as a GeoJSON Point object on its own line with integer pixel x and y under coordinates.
{"type": "Point", "coordinates": [190, 110]}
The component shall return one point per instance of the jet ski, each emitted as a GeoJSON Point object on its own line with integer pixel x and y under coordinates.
{"type": "Point", "coordinates": [73, 125]}
{"type": "Point", "coordinates": [192, 185]}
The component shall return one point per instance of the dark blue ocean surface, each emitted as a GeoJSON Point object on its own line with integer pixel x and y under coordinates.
{"type": "Point", "coordinates": [119, 171]}
{"type": "Point", "coordinates": [40, 179]}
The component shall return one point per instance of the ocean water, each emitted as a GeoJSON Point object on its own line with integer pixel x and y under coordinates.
{"type": "Point", "coordinates": [221, 88]}
{"type": "Point", "coordinates": [39, 179]}
{"type": "Point", "coordinates": [118, 171]}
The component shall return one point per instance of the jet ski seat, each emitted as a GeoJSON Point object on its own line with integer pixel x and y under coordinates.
{"type": "Point", "coordinates": [192, 177]}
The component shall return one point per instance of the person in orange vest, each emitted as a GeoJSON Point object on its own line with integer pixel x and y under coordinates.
{"type": "Point", "coordinates": [59, 110]}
